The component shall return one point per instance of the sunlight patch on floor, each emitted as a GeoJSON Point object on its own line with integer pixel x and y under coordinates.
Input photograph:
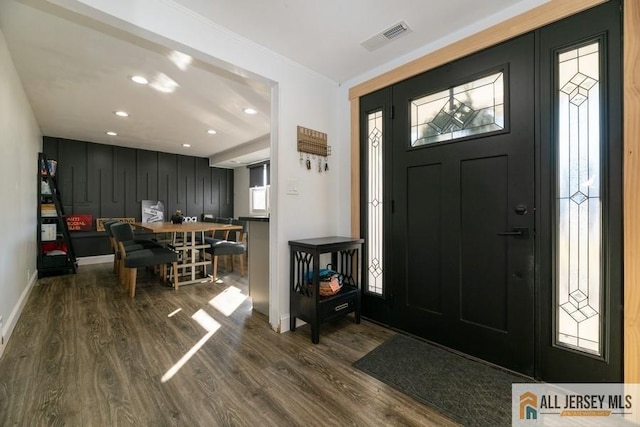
{"type": "Point", "coordinates": [173, 313]}
{"type": "Point", "coordinates": [206, 321]}
{"type": "Point", "coordinates": [211, 326]}
{"type": "Point", "coordinates": [227, 301]}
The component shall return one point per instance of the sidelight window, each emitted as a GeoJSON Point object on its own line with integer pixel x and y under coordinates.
{"type": "Point", "coordinates": [473, 108]}
{"type": "Point", "coordinates": [374, 202]}
{"type": "Point", "coordinates": [579, 294]}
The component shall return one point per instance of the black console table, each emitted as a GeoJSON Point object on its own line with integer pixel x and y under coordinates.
{"type": "Point", "coordinates": [306, 302]}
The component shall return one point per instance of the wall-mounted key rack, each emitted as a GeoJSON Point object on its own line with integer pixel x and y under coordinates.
{"type": "Point", "coordinates": [313, 143]}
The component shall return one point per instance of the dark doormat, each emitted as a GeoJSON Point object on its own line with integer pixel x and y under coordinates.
{"type": "Point", "coordinates": [469, 392]}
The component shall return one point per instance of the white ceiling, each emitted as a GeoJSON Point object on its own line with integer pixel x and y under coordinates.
{"type": "Point", "coordinates": [76, 71]}
{"type": "Point", "coordinates": [326, 35]}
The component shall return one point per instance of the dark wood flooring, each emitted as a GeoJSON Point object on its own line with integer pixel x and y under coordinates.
{"type": "Point", "coordinates": [85, 354]}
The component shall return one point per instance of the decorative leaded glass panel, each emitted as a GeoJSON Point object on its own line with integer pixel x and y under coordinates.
{"type": "Point", "coordinates": [579, 283]}
{"type": "Point", "coordinates": [473, 108]}
{"type": "Point", "coordinates": [374, 203]}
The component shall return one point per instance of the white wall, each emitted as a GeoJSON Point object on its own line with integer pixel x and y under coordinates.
{"type": "Point", "coordinates": [20, 142]}
{"type": "Point", "coordinates": [299, 97]}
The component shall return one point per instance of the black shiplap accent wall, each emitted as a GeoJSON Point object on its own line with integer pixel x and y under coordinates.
{"type": "Point", "coordinates": [109, 181]}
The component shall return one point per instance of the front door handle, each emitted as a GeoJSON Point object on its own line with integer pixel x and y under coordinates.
{"type": "Point", "coordinates": [517, 233]}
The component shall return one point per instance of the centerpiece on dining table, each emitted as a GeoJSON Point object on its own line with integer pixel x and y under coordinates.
{"type": "Point", "coordinates": [177, 217]}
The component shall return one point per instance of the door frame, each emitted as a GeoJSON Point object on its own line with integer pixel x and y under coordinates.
{"type": "Point", "coordinates": [535, 18]}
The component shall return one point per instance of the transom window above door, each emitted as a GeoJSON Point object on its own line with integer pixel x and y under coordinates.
{"type": "Point", "coordinates": [472, 108]}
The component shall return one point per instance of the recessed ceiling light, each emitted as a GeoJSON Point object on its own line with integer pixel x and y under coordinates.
{"type": "Point", "coordinates": [211, 132]}
{"type": "Point", "coordinates": [250, 111]}
{"type": "Point", "coordinates": [121, 114]}
{"type": "Point", "coordinates": [111, 133]}
{"type": "Point", "coordinates": [186, 145]}
{"type": "Point", "coordinates": [140, 80]}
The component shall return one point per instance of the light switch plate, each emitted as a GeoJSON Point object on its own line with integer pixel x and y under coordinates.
{"type": "Point", "coordinates": [292, 186]}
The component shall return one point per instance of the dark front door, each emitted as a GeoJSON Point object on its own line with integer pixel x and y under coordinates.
{"type": "Point", "coordinates": [463, 197]}
{"type": "Point", "coordinates": [492, 202]}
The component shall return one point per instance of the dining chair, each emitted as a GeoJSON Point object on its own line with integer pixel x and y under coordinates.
{"type": "Point", "coordinates": [131, 260]}
{"type": "Point", "coordinates": [241, 236]}
{"type": "Point", "coordinates": [114, 245]}
{"type": "Point", "coordinates": [230, 245]}
{"type": "Point", "coordinates": [131, 244]}
{"type": "Point", "coordinates": [217, 235]}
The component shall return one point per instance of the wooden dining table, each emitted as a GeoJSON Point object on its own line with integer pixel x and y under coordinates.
{"type": "Point", "coordinates": [187, 239]}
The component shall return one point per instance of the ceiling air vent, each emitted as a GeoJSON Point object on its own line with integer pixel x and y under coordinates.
{"type": "Point", "coordinates": [395, 31]}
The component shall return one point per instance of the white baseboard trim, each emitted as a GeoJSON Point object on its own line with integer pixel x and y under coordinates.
{"type": "Point", "coordinates": [285, 325]}
{"type": "Point", "coordinates": [99, 259]}
{"type": "Point", "coordinates": [11, 322]}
